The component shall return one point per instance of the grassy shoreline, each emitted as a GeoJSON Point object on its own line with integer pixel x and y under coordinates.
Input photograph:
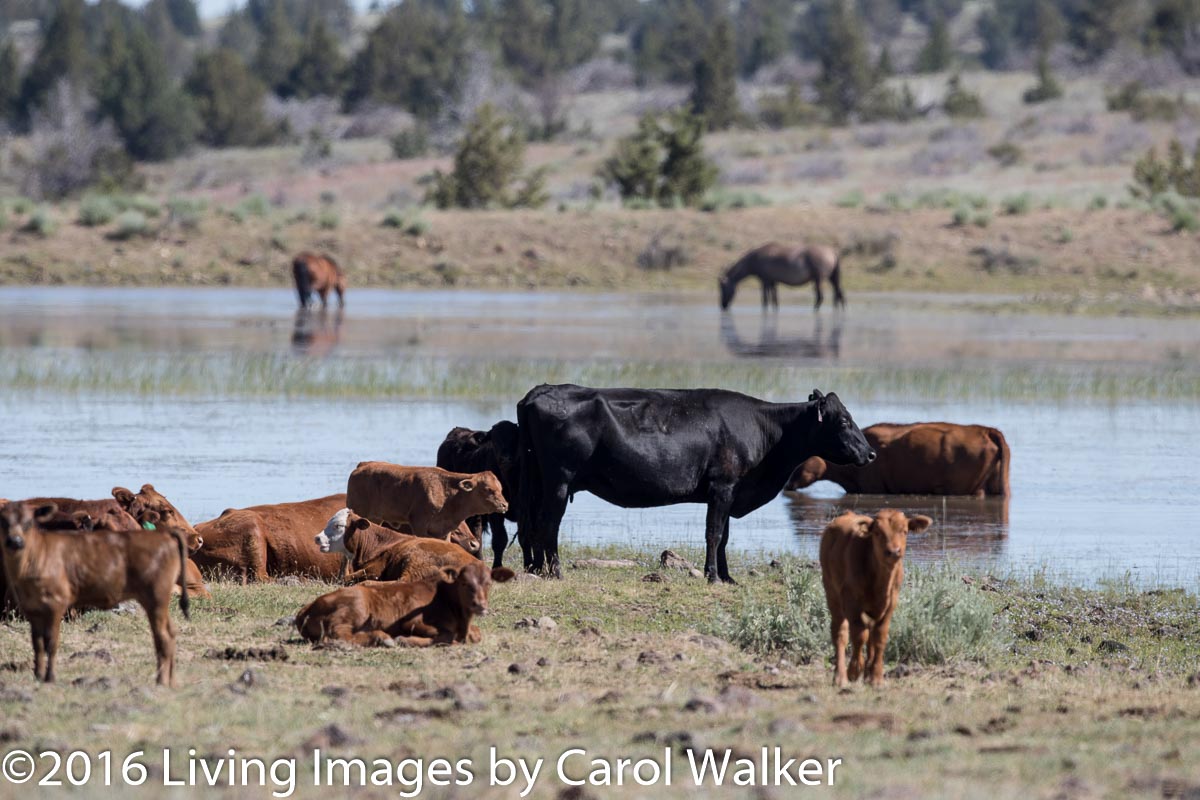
{"type": "Point", "coordinates": [142, 374]}
{"type": "Point", "coordinates": [629, 667]}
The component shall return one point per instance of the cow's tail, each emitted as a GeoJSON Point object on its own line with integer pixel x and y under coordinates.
{"type": "Point", "coordinates": [999, 484]}
{"type": "Point", "coordinates": [303, 278]}
{"type": "Point", "coordinates": [529, 480]}
{"type": "Point", "coordinates": [181, 543]}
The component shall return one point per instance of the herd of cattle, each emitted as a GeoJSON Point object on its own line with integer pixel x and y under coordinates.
{"type": "Point", "coordinates": [407, 540]}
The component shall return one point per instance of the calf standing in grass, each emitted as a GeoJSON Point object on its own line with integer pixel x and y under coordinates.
{"type": "Point", "coordinates": [437, 610]}
{"type": "Point", "coordinates": [48, 572]}
{"type": "Point", "coordinates": [862, 566]}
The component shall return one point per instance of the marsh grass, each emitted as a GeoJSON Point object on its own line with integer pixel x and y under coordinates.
{"type": "Point", "coordinates": [416, 377]}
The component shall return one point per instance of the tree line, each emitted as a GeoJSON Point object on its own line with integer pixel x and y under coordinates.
{"type": "Point", "coordinates": [163, 82]}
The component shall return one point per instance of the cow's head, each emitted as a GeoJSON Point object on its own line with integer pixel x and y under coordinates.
{"type": "Point", "coordinates": [484, 488]}
{"type": "Point", "coordinates": [808, 473]}
{"type": "Point", "coordinates": [332, 539]}
{"type": "Point", "coordinates": [837, 439]}
{"type": "Point", "coordinates": [17, 519]}
{"type": "Point", "coordinates": [889, 533]}
{"type": "Point", "coordinates": [148, 502]}
{"type": "Point", "coordinates": [470, 584]}
{"type": "Point", "coordinates": [465, 538]}
{"type": "Point", "coordinates": [727, 288]}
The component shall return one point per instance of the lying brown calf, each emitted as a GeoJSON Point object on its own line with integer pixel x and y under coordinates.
{"type": "Point", "coordinates": [862, 566]}
{"type": "Point", "coordinates": [436, 610]}
{"type": "Point", "coordinates": [381, 554]}
{"type": "Point", "coordinates": [48, 572]}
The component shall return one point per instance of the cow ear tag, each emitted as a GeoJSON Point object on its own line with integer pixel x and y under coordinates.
{"type": "Point", "coordinates": [148, 526]}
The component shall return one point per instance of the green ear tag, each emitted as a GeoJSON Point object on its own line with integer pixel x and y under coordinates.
{"type": "Point", "coordinates": [148, 526]}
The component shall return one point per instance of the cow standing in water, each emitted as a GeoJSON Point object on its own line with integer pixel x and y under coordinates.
{"type": "Point", "coordinates": [643, 448]}
{"type": "Point", "coordinates": [775, 263]}
{"type": "Point", "coordinates": [320, 274]}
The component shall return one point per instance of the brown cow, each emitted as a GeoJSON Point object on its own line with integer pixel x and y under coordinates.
{"type": "Point", "coordinates": [50, 572]}
{"type": "Point", "coordinates": [437, 610]}
{"type": "Point", "coordinates": [318, 273]}
{"type": "Point", "coordinates": [382, 554]}
{"type": "Point", "coordinates": [776, 263]}
{"type": "Point", "coordinates": [921, 458]}
{"type": "Point", "coordinates": [111, 515]}
{"type": "Point", "coordinates": [269, 541]}
{"type": "Point", "coordinates": [429, 500]}
{"type": "Point", "coordinates": [862, 566]}
{"type": "Point", "coordinates": [147, 502]}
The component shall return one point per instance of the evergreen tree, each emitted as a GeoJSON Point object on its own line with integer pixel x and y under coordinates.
{"type": "Point", "coordinates": [319, 68]}
{"type": "Point", "coordinates": [938, 52]}
{"type": "Point", "coordinates": [763, 30]}
{"type": "Point", "coordinates": [63, 55]}
{"type": "Point", "coordinates": [278, 47]}
{"type": "Point", "coordinates": [10, 84]}
{"type": "Point", "coordinates": [883, 65]}
{"type": "Point", "coordinates": [847, 75]}
{"type": "Point", "coordinates": [185, 17]}
{"type": "Point", "coordinates": [541, 38]}
{"type": "Point", "coordinates": [229, 101]}
{"type": "Point", "coordinates": [487, 168]}
{"type": "Point", "coordinates": [159, 24]}
{"type": "Point", "coordinates": [152, 116]}
{"type": "Point", "coordinates": [239, 35]}
{"type": "Point", "coordinates": [714, 87]}
{"type": "Point", "coordinates": [663, 163]}
{"type": "Point", "coordinates": [1047, 87]}
{"type": "Point", "coordinates": [413, 58]}
{"type": "Point", "coordinates": [669, 38]}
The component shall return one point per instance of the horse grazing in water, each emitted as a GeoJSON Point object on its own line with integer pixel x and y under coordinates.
{"type": "Point", "coordinates": [775, 263]}
{"type": "Point", "coordinates": [318, 273]}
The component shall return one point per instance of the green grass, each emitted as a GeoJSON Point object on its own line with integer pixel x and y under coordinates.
{"type": "Point", "coordinates": [271, 375]}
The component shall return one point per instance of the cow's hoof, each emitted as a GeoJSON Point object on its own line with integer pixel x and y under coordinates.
{"type": "Point", "coordinates": [729, 580]}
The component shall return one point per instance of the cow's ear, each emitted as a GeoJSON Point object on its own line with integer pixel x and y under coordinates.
{"type": "Point", "coordinates": [863, 525]}
{"type": "Point", "coordinates": [83, 521]}
{"type": "Point", "coordinates": [918, 523]}
{"type": "Point", "coordinates": [449, 574]}
{"type": "Point", "coordinates": [816, 395]}
{"type": "Point", "coordinates": [467, 484]}
{"type": "Point", "coordinates": [122, 495]}
{"type": "Point", "coordinates": [44, 513]}
{"type": "Point", "coordinates": [147, 488]}
{"type": "Point", "coordinates": [502, 574]}
{"type": "Point", "coordinates": [151, 516]}
{"type": "Point", "coordinates": [360, 524]}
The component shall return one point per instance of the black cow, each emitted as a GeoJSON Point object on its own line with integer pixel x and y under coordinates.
{"type": "Point", "coordinates": [465, 450]}
{"type": "Point", "coordinates": [641, 448]}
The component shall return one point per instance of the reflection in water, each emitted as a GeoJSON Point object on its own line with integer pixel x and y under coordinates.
{"type": "Point", "coordinates": [969, 528]}
{"type": "Point", "coordinates": [314, 333]}
{"type": "Point", "coordinates": [770, 344]}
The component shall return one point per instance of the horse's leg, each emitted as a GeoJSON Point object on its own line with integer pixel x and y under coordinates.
{"type": "Point", "coordinates": [766, 294]}
{"type": "Point", "coordinates": [820, 296]}
{"type": "Point", "coordinates": [775, 295]}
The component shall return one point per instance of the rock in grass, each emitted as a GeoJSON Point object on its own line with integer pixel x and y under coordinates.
{"type": "Point", "coordinates": [1112, 646]}
{"type": "Point", "coordinates": [602, 563]}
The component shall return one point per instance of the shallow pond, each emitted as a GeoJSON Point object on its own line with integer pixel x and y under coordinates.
{"type": "Point", "coordinates": [1099, 487]}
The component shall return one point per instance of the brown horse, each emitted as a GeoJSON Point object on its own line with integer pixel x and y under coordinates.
{"type": "Point", "coordinates": [775, 263]}
{"type": "Point", "coordinates": [318, 273]}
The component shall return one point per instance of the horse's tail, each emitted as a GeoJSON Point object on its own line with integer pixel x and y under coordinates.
{"type": "Point", "coordinates": [835, 277]}
{"type": "Point", "coordinates": [303, 276]}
